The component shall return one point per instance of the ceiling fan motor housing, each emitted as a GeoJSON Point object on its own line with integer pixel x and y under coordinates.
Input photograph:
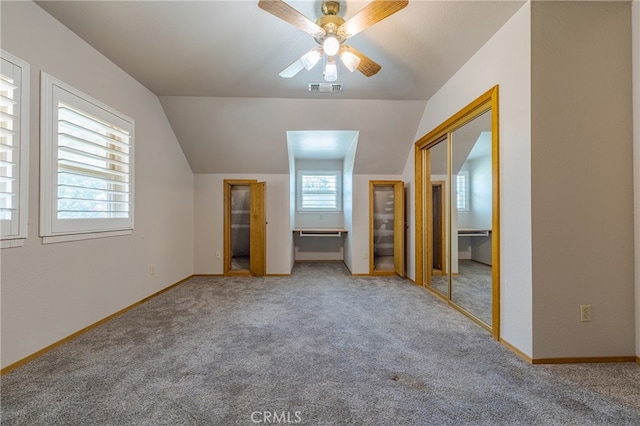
{"type": "Point", "coordinates": [330, 22]}
{"type": "Point", "coordinates": [330, 7]}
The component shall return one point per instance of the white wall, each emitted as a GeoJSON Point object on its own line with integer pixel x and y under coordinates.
{"type": "Point", "coordinates": [347, 199]}
{"type": "Point", "coordinates": [636, 156]}
{"type": "Point", "coordinates": [51, 291]}
{"type": "Point", "coordinates": [480, 196]}
{"type": "Point", "coordinates": [209, 222]}
{"type": "Point", "coordinates": [503, 60]}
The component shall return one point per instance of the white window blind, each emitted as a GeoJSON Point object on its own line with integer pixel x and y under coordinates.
{"type": "Point", "coordinates": [319, 191]}
{"type": "Point", "coordinates": [462, 191]}
{"type": "Point", "coordinates": [89, 158]}
{"type": "Point", "coordinates": [14, 96]}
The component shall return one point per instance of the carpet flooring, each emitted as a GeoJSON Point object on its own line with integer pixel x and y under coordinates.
{"type": "Point", "coordinates": [319, 348]}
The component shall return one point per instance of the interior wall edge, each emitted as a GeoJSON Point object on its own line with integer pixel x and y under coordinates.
{"type": "Point", "coordinates": [635, 11]}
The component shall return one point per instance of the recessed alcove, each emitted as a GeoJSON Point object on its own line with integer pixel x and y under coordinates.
{"type": "Point", "coordinates": [320, 171]}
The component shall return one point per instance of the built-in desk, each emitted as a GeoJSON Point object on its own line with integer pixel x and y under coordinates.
{"type": "Point", "coordinates": [320, 232]}
{"type": "Point", "coordinates": [319, 243]}
{"type": "Point", "coordinates": [475, 244]}
{"type": "Point", "coordinates": [473, 232]}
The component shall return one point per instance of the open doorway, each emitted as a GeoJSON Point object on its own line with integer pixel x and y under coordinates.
{"type": "Point", "coordinates": [244, 227]}
{"type": "Point", "coordinates": [386, 219]}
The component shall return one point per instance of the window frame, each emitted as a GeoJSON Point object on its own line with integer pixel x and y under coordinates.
{"type": "Point", "coordinates": [52, 228]}
{"type": "Point", "coordinates": [299, 192]}
{"type": "Point", "coordinates": [18, 232]}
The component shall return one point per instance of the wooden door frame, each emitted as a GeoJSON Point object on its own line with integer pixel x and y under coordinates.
{"type": "Point", "coordinates": [398, 228]}
{"type": "Point", "coordinates": [257, 229]}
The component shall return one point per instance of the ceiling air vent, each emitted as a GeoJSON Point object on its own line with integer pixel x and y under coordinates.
{"type": "Point", "coordinates": [325, 87]}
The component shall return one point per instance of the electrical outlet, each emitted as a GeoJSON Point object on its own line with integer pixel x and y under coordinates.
{"type": "Point", "coordinates": [217, 254]}
{"type": "Point", "coordinates": [585, 313]}
{"type": "Point", "coordinates": [152, 270]}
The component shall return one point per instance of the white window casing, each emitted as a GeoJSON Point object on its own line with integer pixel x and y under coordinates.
{"type": "Point", "coordinates": [319, 191]}
{"type": "Point", "coordinates": [87, 166]}
{"type": "Point", "coordinates": [14, 149]}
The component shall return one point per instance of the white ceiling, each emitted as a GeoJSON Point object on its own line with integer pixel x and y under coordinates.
{"type": "Point", "coordinates": [220, 61]}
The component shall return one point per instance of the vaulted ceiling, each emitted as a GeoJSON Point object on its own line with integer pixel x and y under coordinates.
{"type": "Point", "coordinates": [215, 65]}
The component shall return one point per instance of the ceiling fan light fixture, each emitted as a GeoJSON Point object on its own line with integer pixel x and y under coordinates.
{"type": "Point", "coordinates": [311, 58]}
{"type": "Point", "coordinates": [331, 45]}
{"type": "Point", "coordinates": [350, 61]}
{"type": "Point", "coordinates": [330, 70]}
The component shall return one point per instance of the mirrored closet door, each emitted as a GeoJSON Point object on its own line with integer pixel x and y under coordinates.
{"type": "Point", "coordinates": [457, 225]}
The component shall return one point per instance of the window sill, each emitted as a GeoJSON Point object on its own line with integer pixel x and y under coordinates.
{"type": "Point", "coordinates": [15, 242]}
{"type": "Point", "coordinates": [79, 237]}
{"type": "Point", "coordinates": [329, 212]}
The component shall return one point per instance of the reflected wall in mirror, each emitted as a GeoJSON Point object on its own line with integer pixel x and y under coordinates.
{"type": "Point", "coordinates": [457, 222]}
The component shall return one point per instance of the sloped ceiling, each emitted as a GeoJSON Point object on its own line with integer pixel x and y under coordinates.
{"type": "Point", "coordinates": [248, 135]}
{"type": "Point", "coordinates": [215, 65]}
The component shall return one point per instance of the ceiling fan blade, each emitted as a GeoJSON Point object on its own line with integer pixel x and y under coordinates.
{"type": "Point", "coordinates": [308, 61]}
{"type": "Point", "coordinates": [366, 65]}
{"type": "Point", "coordinates": [292, 69]}
{"type": "Point", "coordinates": [287, 13]}
{"type": "Point", "coordinates": [374, 12]}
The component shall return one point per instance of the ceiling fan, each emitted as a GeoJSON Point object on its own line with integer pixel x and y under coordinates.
{"type": "Point", "coordinates": [331, 31]}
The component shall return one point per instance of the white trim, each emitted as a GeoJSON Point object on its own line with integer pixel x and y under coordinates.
{"type": "Point", "coordinates": [11, 243]}
{"type": "Point", "coordinates": [23, 189]}
{"type": "Point", "coordinates": [85, 236]}
{"type": "Point", "coordinates": [53, 90]}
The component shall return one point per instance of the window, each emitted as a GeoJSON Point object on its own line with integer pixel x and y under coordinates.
{"type": "Point", "coordinates": [87, 161]}
{"type": "Point", "coordinates": [462, 191]}
{"type": "Point", "coordinates": [14, 149]}
{"type": "Point", "coordinates": [319, 191]}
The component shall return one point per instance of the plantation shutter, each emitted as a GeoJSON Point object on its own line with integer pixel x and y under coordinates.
{"type": "Point", "coordinates": [319, 191]}
{"type": "Point", "coordinates": [93, 166]}
{"type": "Point", "coordinates": [10, 148]}
{"type": "Point", "coordinates": [462, 191]}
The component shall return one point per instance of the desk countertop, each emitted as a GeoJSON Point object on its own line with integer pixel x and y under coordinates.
{"type": "Point", "coordinates": [319, 230]}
